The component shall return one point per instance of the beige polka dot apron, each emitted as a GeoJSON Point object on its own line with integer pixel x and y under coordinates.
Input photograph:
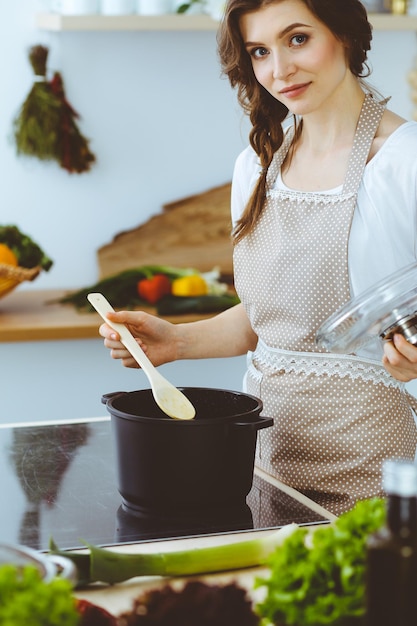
{"type": "Point", "coordinates": [336, 417]}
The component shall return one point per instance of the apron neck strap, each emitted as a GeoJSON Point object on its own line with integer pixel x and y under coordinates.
{"type": "Point", "coordinates": [369, 120]}
{"type": "Point", "coordinates": [279, 156]}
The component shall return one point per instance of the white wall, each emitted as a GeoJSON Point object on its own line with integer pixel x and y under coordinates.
{"type": "Point", "coordinates": [63, 380]}
{"type": "Point", "coordinates": [163, 125]}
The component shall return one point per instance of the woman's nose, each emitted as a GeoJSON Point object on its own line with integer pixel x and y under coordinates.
{"type": "Point", "coordinates": [283, 66]}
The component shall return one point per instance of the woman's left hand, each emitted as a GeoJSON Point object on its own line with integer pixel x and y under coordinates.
{"type": "Point", "coordinates": [400, 359]}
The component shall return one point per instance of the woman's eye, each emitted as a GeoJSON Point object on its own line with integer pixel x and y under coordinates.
{"type": "Point", "coordinates": [258, 53]}
{"type": "Point", "coordinates": [298, 40]}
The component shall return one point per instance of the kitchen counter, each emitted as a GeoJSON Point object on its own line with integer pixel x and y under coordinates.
{"type": "Point", "coordinates": [34, 315]}
{"type": "Point", "coordinates": [119, 598]}
{"type": "Point", "coordinates": [49, 471]}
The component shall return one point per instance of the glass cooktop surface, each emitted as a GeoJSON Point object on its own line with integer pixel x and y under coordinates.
{"type": "Point", "coordinates": [59, 481]}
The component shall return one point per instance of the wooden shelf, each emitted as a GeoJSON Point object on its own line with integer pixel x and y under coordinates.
{"type": "Point", "coordinates": [33, 315]}
{"type": "Point", "coordinates": [175, 22]}
{"type": "Point", "coordinates": [385, 21]}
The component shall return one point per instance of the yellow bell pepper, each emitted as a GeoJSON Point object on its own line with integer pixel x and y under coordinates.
{"type": "Point", "coordinates": [193, 285]}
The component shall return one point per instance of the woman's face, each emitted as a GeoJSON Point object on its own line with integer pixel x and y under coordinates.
{"type": "Point", "coordinates": [295, 57]}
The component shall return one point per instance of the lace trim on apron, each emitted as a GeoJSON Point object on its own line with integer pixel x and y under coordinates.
{"type": "Point", "coordinates": [322, 364]}
{"type": "Point", "coordinates": [311, 198]}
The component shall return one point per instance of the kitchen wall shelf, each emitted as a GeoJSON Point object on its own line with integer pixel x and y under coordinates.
{"type": "Point", "coordinates": [385, 21]}
{"type": "Point", "coordinates": [175, 22]}
{"type": "Point", "coordinates": [36, 315]}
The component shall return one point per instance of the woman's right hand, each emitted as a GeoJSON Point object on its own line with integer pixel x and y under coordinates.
{"type": "Point", "coordinates": [226, 334]}
{"type": "Point", "coordinates": [156, 337]}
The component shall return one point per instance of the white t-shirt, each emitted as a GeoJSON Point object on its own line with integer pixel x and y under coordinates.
{"type": "Point", "coordinates": [383, 236]}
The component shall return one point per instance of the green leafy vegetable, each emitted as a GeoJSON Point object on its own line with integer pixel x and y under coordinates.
{"type": "Point", "coordinates": [121, 290]}
{"type": "Point", "coordinates": [318, 577]}
{"type": "Point", "coordinates": [183, 8]}
{"type": "Point", "coordinates": [25, 600]}
{"type": "Point", "coordinates": [28, 253]}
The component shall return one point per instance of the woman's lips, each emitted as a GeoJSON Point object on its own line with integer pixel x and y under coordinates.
{"type": "Point", "coordinates": [294, 90]}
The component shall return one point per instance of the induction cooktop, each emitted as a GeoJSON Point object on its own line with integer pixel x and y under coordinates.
{"type": "Point", "coordinates": [59, 481]}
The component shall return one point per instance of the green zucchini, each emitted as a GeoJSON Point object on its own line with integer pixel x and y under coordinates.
{"type": "Point", "coordinates": [181, 305]}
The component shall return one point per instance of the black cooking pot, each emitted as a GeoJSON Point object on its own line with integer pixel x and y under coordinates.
{"type": "Point", "coordinates": [167, 465]}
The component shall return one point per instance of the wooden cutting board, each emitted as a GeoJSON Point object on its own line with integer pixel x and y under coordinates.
{"type": "Point", "coordinates": [193, 232]}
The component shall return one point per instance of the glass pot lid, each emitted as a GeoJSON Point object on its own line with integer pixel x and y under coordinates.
{"type": "Point", "coordinates": [387, 307]}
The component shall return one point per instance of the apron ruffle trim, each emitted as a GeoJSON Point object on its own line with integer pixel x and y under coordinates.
{"type": "Point", "coordinates": [315, 199]}
{"type": "Point", "coordinates": [321, 364]}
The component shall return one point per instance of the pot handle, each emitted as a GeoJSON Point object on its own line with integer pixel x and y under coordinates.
{"type": "Point", "coordinates": [260, 422]}
{"type": "Point", "coordinates": [108, 396]}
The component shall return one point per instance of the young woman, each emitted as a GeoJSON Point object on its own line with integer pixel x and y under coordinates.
{"type": "Point", "coordinates": [324, 205]}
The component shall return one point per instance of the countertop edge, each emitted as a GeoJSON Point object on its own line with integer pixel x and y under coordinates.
{"type": "Point", "coordinates": [35, 315]}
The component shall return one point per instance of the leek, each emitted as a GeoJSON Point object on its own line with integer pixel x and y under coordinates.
{"type": "Point", "coordinates": [108, 566]}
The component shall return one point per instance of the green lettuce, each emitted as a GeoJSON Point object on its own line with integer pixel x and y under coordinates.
{"type": "Point", "coordinates": [26, 600]}
{"type": "Point", "coordinates": [318, 577]}
{"type": "Point", "coordinates": [28, 252]}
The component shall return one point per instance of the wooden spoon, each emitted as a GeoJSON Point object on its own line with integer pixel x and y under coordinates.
{"type": "Point", "coordinates": [169, 399]}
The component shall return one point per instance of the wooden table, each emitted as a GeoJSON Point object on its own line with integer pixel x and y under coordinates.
{"type": "Point", "coordinates": [35, 315]}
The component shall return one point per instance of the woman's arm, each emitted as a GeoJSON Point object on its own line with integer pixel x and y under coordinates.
{"type": "Point", "coordinates": [227, 334]}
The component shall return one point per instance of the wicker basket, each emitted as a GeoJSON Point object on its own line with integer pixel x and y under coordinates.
{"type": "Point", "coordinates": [11, 277]}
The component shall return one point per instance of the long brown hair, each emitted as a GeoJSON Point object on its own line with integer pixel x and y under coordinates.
{"type": "Point", "coordinates": [348, 21]}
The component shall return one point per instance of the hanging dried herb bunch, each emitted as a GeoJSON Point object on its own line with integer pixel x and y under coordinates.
{"type": "Point", "coordinates": [74, 153]}
{"type": "Point", "coordinates": [46, 125]}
